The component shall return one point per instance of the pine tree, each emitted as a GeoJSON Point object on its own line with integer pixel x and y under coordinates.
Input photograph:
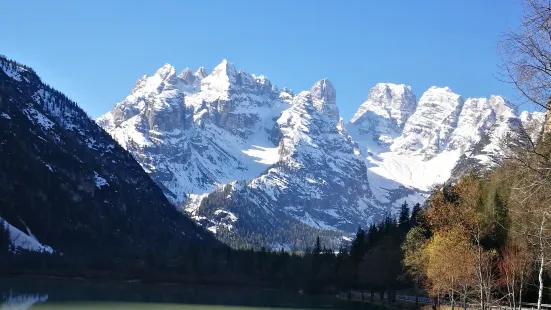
{"type": "Point", "coordinates": [317, 247]}
{"type": "Point", "coordinates": [403, 219]}
{"type": "Point", "coordinates": [415, 215]}
{"type": "Point", "coordinates": [316, 265]}
{"type": "Point", "coordinates": [501, 218]}
{"type": "Point", "coordinates": [371, 236]}
{"type": "Point", "coordinates": [357, 250]}
{"type": "Point", "coordinates": [4, 239]}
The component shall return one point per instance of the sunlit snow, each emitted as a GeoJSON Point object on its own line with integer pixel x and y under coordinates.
{"type": "Point", "coordinates": [39, 118]}
{"type": "Point", "coordinates": [263, 155]}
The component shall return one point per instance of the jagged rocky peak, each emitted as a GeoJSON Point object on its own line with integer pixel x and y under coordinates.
{"type": "Point", "coordinates": [428, 130]}
{"type": "Point", "coordinates": [324, 98]}
{"type": "Point", "coordinates": [160, 97]}
{"type": "Point", "coordinates": [163, 77]}
{"type": "Point", "coordinates": [393, 101]}
{"type": "Point", "coordinates": [150, 83]}
{"type": "Point", "coordinates": [325, 91]}
{"type": "Point", "coordinates": [383, 115]}
{"type": "Point", "coordinates": [187, 76]}
{"type": "Point", "coordinates": [260, 79]}
{"type": "Point", "coordinates": [224, 68]}
{"type": "Point", "coordinates": [217, 85]}
{"type": "Point", "coordinates": [502, 107]}
{"type": "Point", "coordinates": [288, 91]}
{"type": "Point", "coordinates": [140, 83]}
{"type": "Point", "coordinates": [201, 73]}
{"type": "Point", "coordinates": [166, 71]}
{"type": "Point", "coordinates": [192, 78]}
{"type": "Point", "coordinates": [286, 95]}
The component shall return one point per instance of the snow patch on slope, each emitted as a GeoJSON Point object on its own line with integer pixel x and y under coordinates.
{"type": "Point", "coordinates": [36, 117]}
{"type": "Point", "coordinates": [25, 241]}
{"type": "Point", "coordinates": [414, 171]}
{"type": "Point", "coordinates": [12, 72]}
{"type": "Point", "coordinates": [263, 155]}
{"type": "Point", "coordinates": [100, 182]}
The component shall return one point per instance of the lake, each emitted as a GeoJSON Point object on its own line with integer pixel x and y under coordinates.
{"type": "Point", "coordinates": [41, 293]}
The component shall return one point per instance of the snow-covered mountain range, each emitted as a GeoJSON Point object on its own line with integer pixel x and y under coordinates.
{"type": "Point", "coordinates": [243, 156]}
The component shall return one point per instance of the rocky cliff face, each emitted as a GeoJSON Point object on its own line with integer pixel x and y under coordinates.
{"type": "Point", "coordinates": [383, 116]}
{"type": "Point", "coordinates": [428, 130]}
{"type": "Point", "coordinates": [319, 178]}
{"type": "Point", "coordinates": [245, 157]}
{"type": "Point", "coordinates": [195, 132]}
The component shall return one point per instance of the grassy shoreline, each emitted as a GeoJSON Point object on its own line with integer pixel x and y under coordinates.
{"type": "Point", "coordinates": [383, 304]}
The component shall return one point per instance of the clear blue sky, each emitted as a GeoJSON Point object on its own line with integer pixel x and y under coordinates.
{"type": "Point", "coordinates": [94, 51]}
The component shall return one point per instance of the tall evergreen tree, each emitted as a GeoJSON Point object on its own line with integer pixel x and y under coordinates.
{"type": "Point", "coordinates": [415, 214]}
{"type": "Point", "coordinates": [357, 250]}
{"type": "Point", "coordinates": [502, 222]}
{"type": "Point", "coordinates": [403, 219]}
{"type": "Point", "coordinates": [317, 260]}
{"type": "Point", "coordinates": [317, 247]}
{"type": "Point", "coordinates": [371, 236]}
{"type": "Point", "coordinates": [4, 240]}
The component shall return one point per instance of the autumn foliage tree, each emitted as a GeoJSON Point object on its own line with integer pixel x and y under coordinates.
{"type": "Point", "coordinates": [451, 246]}
{"type": "Point", "coordinates": [515, 268]}
{"type": "Point", "coordinates": [457, 259]}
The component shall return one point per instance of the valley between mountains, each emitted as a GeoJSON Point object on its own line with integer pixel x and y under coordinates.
{"type": "Point", "coordinates": [259, 165]}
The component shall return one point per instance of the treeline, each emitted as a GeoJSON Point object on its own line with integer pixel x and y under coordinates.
{"type": "Point", "coordinates": [372, 262]}
{"type": "Point", "coordinates": [374, 251]}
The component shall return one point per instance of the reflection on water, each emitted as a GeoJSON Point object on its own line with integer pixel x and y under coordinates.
{"type": "Point", "coordinates": [142, 306]}
{"type": "Point", "coordinates": [81, 294]}
{"type": "Point", "coordinates": [21, 301]}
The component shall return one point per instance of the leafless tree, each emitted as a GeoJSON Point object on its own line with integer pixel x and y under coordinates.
{"type": "Point", "coordinates": [515, 267]}
{"type": "Point", "coordinates": [526, 53]}
{"type": "Point", "coordinates": [530, 205]}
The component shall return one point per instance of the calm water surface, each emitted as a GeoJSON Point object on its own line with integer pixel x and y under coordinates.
{"type": "Point", "coordinates": [42, 294]}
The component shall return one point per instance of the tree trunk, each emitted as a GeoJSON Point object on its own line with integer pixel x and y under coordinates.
{"type": "Point", "coordinates": [479, 272]}
{"type": "Point", "coordinates": [481, 285]}
{"type": "Point", "coordinates": [542, 263]}
{"type": "Point", "coordinates": [540, 279]}
{"type": "Point", "coordinates": [520, 297]}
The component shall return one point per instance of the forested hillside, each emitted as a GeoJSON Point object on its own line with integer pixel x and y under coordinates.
{"type": "Point", "coordinates": [64, 182]}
